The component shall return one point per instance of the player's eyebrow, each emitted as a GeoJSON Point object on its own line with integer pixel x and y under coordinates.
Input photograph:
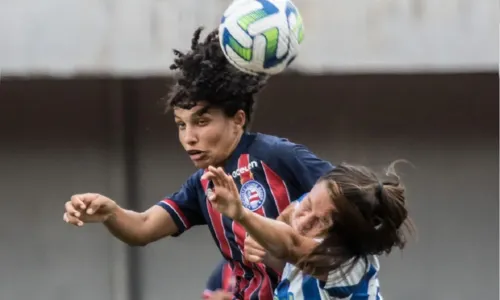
{"type": "Point", "coordinates": [200, 112]}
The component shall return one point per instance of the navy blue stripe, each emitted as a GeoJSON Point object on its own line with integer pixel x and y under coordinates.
{"type": "Point", "coordinates": [361, 290]}
{"type": "Point", "coordinates": [310, 288]}
{"type": "Point", "coordinates": [269, 205]}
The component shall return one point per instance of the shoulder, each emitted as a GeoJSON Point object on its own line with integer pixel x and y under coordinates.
{"type": "Point", "coordinates": [284, 153]}
{"type": "Point", "coordinates": [272, 141]}
{"type": "Point", "coordinates": [274, 147]}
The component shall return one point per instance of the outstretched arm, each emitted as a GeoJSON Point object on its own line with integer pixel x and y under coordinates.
{"type": "Point", "coordinates": [280, 239]}
{"type": "Point", "coordinates": [277, 237]}
{"type": "Point", "coordinates": [170, 217]}
{"type": "Point", "coordinates": [140, 229]}
{"type": "Point", "coordinates": [133, 228]}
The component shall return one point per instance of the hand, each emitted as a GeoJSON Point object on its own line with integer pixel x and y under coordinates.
{"type": "Point", "coordinates": [88, 208]}
{"type": "Point", "coordinates": [253, 251]}
{"type": "Point", "coordinates": [220, 295]}
{"type": "Point", "coordinates": [225, 196]}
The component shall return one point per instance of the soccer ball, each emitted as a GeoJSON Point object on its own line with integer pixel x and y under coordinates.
{"type": "Point", "coordinates": [261, 36]}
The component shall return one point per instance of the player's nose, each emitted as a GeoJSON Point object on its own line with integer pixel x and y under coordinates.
{"type": "Point", "coordinates": [306, 222]}
{"type": "Point", "coordinates": [190, 136]}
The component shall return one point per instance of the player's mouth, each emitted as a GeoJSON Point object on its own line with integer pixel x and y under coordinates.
{"type": "Point", "coordinates": [196, 155]}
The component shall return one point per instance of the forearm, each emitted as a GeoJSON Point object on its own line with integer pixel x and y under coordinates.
{"type": "Point", "coordinates": [278, 238]}
{"type": "Point", "coordinates": [127, 226]}
{"type": "Point", "coordinates": [286, 214]}
{"type": "Point", "coordinates": [274, 263]}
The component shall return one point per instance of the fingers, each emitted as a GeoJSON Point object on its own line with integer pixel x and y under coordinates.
{"type": "Point", "coordinates": [222, 177]}
{"type": "Point", "coordinates": [72, 214]}
{"type": "Point", "coordinates": [225, 189]}
{"type": "Point", "coordinates": [72, 220]}
{"type": "Point", "coordinates": [211, 195]}
{"type": "Point", "coordinates": [254, 252]}
{"type": "Point", "coordinates": [71, 210]}
{"type": "Point", "coordinates": [211, 176]}
{"type": "Point", "coordinates": [218, 177]}
{"type": "Point", "coordinates": [75, 208]}
{"type": "Point", "coordinates": [254, 258]}
{"type": "Point", "coordinates": [78, 201]}
{"type": "Point", "coordinates": [232, 185]}
{"type": "Point", "coordinates": [221, 295]}
{"type": "Point", "coordinates": [252, 244]}
{"type": "Point", "coordinates": [96, 204]}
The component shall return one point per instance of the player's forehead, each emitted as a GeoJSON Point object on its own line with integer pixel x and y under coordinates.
{"type": "Point", "coordinates": [318, 192]}
{"type": "Point", "coordinates": [201, 108]}
{"type": "Point", "coordinates": [319, 199]}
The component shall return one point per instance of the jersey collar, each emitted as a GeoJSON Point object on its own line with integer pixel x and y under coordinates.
{"type": "Point", "coordinates": [242, 147]}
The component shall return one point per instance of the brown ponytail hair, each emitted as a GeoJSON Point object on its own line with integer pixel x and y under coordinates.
{"type": "Point", "coordinates": [369, 218]}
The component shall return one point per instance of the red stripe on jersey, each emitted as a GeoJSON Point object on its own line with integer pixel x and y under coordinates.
{"type": "Point", "coordinates": [227, 275]}
{"type": "Point", "coordinates": [217, 224]}
{"type": "Point", "coordinates": [239, 273]}
{"type": "Point", "coordinates": [266, 289]}
{"type": "Point", "coordinates": [277, 187]}
{"type": "Point", "coordinates": [239, 237]}
{"type": "Point", "coordinates": [178, 211]}
{"type": "Point", "coordinates": [243, 163]}
{"type": "Point", "coordinates": [255, 283]}
{"type": "Point", "coordinates": [260, 282]}
{"type": "Point", "coordinates": [239, 231]}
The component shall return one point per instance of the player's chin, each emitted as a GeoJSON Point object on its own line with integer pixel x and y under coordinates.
{"type": "Point", "coordinates": [201, 164]}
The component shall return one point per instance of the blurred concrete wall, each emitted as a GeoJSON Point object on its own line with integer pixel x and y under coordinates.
{"type": "Point", "coordinates": [61, 137]}
{"type": "Point", "coordinates": [68, 37]}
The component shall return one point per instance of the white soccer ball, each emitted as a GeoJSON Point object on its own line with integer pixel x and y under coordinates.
{"type": "Point", "coordinates": [261, 36]}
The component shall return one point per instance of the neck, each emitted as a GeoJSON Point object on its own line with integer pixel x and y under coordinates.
{"type": "Point", "coordinates": [231, 148]}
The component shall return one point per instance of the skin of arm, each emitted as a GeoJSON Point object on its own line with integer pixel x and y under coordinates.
{"type": "Point", "coordinates": [281, 241]}
{"type": "Point", "coordinates": [277, 237]}
{"type": "Point", "coordinates": [140, 228]}
{"type": "Point", "coordinates": [269, 260]}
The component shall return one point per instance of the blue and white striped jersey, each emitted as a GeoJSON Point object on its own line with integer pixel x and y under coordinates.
{"type": "Point", "coordinates": [360, 283]}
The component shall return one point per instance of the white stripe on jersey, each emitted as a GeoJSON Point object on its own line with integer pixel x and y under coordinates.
{"type": "Point", "coordinates": [360, 283]}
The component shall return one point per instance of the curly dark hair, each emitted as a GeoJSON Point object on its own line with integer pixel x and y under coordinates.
{"type": "Point", "coordinates": [206, 75]}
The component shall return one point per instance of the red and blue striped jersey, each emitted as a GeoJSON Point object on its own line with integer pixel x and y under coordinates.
{"type": "Point", "coordinates": [270, 172]}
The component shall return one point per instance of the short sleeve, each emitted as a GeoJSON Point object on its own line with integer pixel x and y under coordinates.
{"type": "Point", "coordinates": [184, 206]}
{"type": "Point", "coordinates": [303, 167]}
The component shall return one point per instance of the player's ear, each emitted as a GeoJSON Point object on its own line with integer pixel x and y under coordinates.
{"type": "Point", "coordinates": [239, 119]}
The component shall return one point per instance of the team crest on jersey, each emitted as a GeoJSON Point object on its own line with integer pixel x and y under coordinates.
{"type": "Point", "coordinates": [252, 195]}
